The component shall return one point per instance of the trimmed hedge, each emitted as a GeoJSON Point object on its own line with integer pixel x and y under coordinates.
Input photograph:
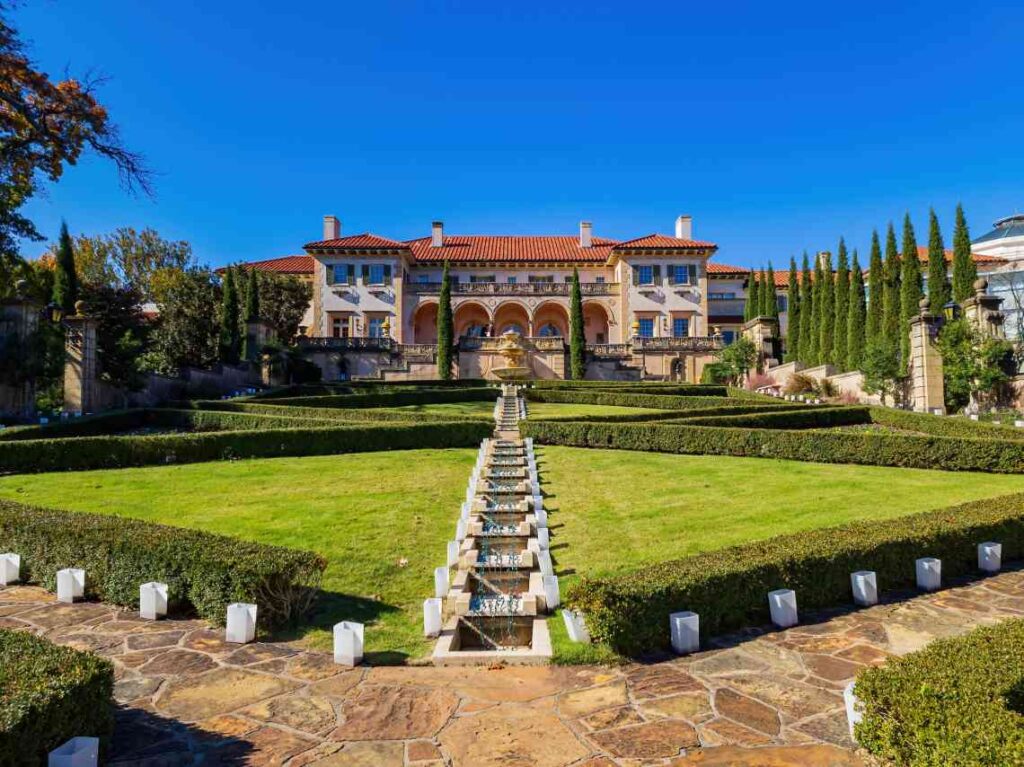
{"type": "Point", "coordinates": [728, 588]}
{"type": "Point", "coordinates": [102, 423]}
{"type": "Point", "coordinates": [393, 398]}
{"type": "Point", "coordinates": [959, 701]}
{"type": "Point", "coordinates": [907, 451]}
{"type": "Point", "coordinates": [635, 387]}
{"type": "Point", "coordinates": [334, 415]}
{"type": "Point", "coordinates": [78, 453]}
{"type": "Point", "coordinates": [943, 426]}
{"type": "Point", "coordinates": [49, 694]}
{"type": "Point", "coordinates": [802, 418]}
{"type": "Point", "coordinates": [202, 570]}
{"type": "Point", "coordinates": [657, 401]}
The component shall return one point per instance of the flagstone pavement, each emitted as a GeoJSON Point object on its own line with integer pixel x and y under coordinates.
{"type": "Point", "coordinates": [765, 698]}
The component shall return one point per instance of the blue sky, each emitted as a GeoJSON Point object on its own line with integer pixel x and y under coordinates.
{"type": "Point", "coordinates": [779, 127]}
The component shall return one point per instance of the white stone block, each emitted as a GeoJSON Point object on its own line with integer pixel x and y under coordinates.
{"type": "Point", "coordinates": [538, 503]}
{"type": "Point", "coordinates": [1019, 424]}
{"type": "Point", "coordinates": [544, 538]}
{"type": "Point", "coordinates": [77, 752]}
{"type": "Point", "coordinates": [684, 628]}
{"type": "Point", "coordinates": [241, 628]}
{"type": "Point", "coordinates": [929, 573]}
{"type": "Point", "coordinates": [10, 568]}
{"type": "Point", "coordinates": [453, 553]}
{"type": "Point", "coordinates": [865, 587]}
{"type": "Point", "coordinates": [974, 416]}
{"type": "Point", "coordinates": [854, 707]}
{"type": "Point", "coordinates": [432, 617]}
{"type": "Point", "coordinates": [70, 584]}
{"type": "Point", "coordinates": [542, 518]}
{"type": "Point", "coordinates": [990, 556]}
{"type": "Point", "coordinates": [464, 511]}
{"type": "Point", "coordinates": [348, 643]}
{"type": "Point", "coordinates": [152, 600]}
{"type": "Point", "coordinates": [544, 562]}
{"type": "Point", "coordinates": [782, 604]}
{"type": "Point", "coordinates": [576, 626]}
{"type": "Point", "coordinates": [440, 581]}
{"type": "Point", "coordinates": [533, 545]}
{"type": "Point", "coordinates": [461, 527]}
{"type": "Point", "coordinates": [551, 594]}
{"type": "Point", "coordinates": [529, 443]}
{"type": "Point", "coordinates": [534, 487]}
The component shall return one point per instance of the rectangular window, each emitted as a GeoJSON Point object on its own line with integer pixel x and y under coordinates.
{"type": "Point", "coordinates": [783, 303]}
{"type": "Point", "coordinates": [423, 279]}
{"type": "Point", "coordinates": [512, 280]}
{"type": "Point", "coordinates": [681, 274]}
{"type": "Point", "coordinates": [376, 274]}
{"type": "Point", "coordinates": [339, 327]}
{"type": "Point", "coordinates": [541, 279]}
{"type": "Point", "coordinates": [481, 278]}
{"type": "Point", "coordinates": [721, 296]}
{"type": "Point", "coordinates": [376, 325]}
{"type": "Point", "coordinates": [646, 327]}
{"type": "Point", "coordinates": [728, 336]}
{"type": "Point", "coordinates": [339, 274]}
{"type": "Point", "coordinates": [680, 327]}
{"type": "Point", "coordinates": [599, 280]}
{"type": "Point", "coordinates": [645, 275]}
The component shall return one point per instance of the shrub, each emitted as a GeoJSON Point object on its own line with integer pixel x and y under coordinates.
{"type": "Point", "coordinates": [959, 701]}
{"type": "Point", "coordinates": [49, 694]}
{"type": "Point", "coordinates": [728, 588]}
{"type": "Point", "coordinates": [799, 383]}
{"type": "Point", "coordinates": [333, 414]}
{"type": "Point", "coordinates": [629, 399]}
{"type": "Point", "coordinates": [803, 418]}
{"type": "Point", "coordinates": [757, 380]}
{"type": "Point", "coordinates": [826, 388]}
{"type": "Point", "coordinates": [203, 570]}
{"type": "Point", "coordinates": [872, 449]}
{"type": "Point", "coordinates": [943, 426]}
{"type": "Point", "coordinates": [104, 423]}
{"type": "Point", "coordinates": [79, 453]}
{"type": "Point", "coordinates": [715, 373]}
{"type": "Point", "coordinates": [393, 398]}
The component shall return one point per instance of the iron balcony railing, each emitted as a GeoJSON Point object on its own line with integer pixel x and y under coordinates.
{"type": "Point", "coordinates": [515, 288]}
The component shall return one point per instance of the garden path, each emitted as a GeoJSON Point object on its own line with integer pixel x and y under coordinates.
{"type": "Point", "coordinates": [763, 697]}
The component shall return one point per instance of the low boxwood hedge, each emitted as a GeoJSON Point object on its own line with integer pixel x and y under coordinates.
{"type": "Point", "coordinates": [78, 453]}
{"type": "Point", "coordinates": [728, 588]}
{"type": "Point", "coordinates": [943, 426]}
{"type": "Point", "coordinates": [334, 414]}
{"type": "Point", "coordinates": [102, 423]}
{"type": "Point", "coordinates": [203, 570]}
{"type": "Point", "coordinates": [393, 398]}
{"type": "Point", "coordinates": [959, 701]}
{"type": "Point", "coordinates": [789, 418]}
{"type": "Point", "coordinates": [908, 451]}
{"type": "Point", "coordinates": [48, 695]}
{"type": "Point", "coordinates": [625, 399]}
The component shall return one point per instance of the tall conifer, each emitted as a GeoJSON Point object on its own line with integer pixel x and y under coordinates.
{"type": "Point", "coordinates": [938, 283]}
{"type": "Point", "coordinates": [251, 314]}
{"type": "Point", "coordinates": [965, 271]}
{"type": "Point", "coordinates": [445, 327]}
{"type": "Point", "coordinates": [229, 319]}
{"type": "Point", "coordinates": [806, 313]}
{"type": "Point", "coordinates": [855, 318]}
{"type": "Point", "coordinates": [842, 308]}
{"type": "Point", "coordinates": [65, 278]}
{"type": "Point", "coordinates": [910, 288]}
{"type": "Point", "coordinates": [890, 334]}
{"type": "Point", "coordinates": [752, 305]}
{"type": "Point", "coordinates": [827, 314]}
{"type": "Point", "coordinates": [876, 285]}
{"type": "Point", "coordinates": [771, 308]}
{"type": "Point", "coordinates": [577, 362]}
{"type": "Point", "coordinates": [817, 302]}
{"type": "Point", "coordinates": [793, 315]}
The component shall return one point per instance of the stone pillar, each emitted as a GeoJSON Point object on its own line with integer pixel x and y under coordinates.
{"type": "Point", "coordinates": [81, 372]}
{"type": "Point", "coordinates": [982, 310]}
{"type": "Point", "coordinates": [259, 333]}
{"type": "Point", "coordinates": [19, 321]}
{"type": "Point", "coordinates": [924, 369]}
{"type": "Point", "coordinates": [764, 333]}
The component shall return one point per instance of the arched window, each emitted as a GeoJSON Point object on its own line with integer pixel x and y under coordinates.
{"type": "Point", "coordinates": [473, 330]}
{"type": "Point", "coordinates": [548, 330]}
{"type": "Point", "coordinates": [513, 327]}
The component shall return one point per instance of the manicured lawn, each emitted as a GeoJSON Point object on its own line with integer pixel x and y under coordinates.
{"type": "Point", "coordinates": [535, 410]}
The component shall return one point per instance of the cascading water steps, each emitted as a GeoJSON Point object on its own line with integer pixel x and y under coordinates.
{"type": "Point", "coordinates": [503, 576]}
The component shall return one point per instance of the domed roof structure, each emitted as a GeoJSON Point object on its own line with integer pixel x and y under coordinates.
{"type": "Point", "coordinates": [1006, 240]}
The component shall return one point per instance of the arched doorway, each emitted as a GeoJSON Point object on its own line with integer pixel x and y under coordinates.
{"type": "Point", "coordinates": [424, 324]}
{"type": "Point", "coordinates": [595, 323]}
{"type": "Point", "coordinates": [511, 316]}
{"type": "Point", "coordinates": [471, 319]}
{"type": "Point", "coordinates": [551, 319]}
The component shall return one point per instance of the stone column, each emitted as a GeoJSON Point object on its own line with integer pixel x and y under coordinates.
{"type": "Point", "coordinates": [982, 310]}
{"type": "Point", "coordinates": [924, 369]}
{"type": "Point", "coordinates": [258, 333]}
{"type": "Point", "coordinates": [19, 320]}
{"type": "Point", "coordinates": [763, 332]}
{"type": "Point", "coordinates": [81, 373]}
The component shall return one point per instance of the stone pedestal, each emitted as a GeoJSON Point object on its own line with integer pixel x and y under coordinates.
{"type": "Point", "coordinates": [258, 333]}
{"type": "Point", "coordinates": [81, 372]}
{"type": "Point", "coordinates": [982, 310]}
{"type": "Point", "coordinates": [927, 392]}
{"type": "Point", "coordinates": [19, 320]}
{"type": "Point", "coordinates": [763, 332]}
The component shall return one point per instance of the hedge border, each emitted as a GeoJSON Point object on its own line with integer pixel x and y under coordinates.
{"type": "Point", "coordinates": [334, 415]}
{"type": "Point", "coordinates": [943, 426]}
{"type": "Point", "coordinates": [655, 401]}
{"type": "Point", "coordinates": [393, 398]}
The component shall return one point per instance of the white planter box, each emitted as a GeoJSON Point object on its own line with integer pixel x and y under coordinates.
{"type": "Point", "coordinates": [542, 518]}
{"type": "Point", "coordinates": [460, 530]}
{"type": "Point", "coordinates": [854, 708]}
{"type": "Point", "coordinates": [782, 605]}
{"type": "Point", "coordinates": [348, 643]}
{"type": "Point", "coordinates": [440, 581]}
{"type": "Point", "coordinates": [152, 600]}
{"type": "Point", "coordinates": [538, 503]}
{"type": "Point", "coordinates": [1019, 424]}
{"type": "Point", "coordinates": [10, 568]}
{"type": "Point", "coordinates": [432, 617]}
{"type": "Point", "coordinates": [544, 562]}
{"type": "Point", "coordinates": [929, 573]}
{"type": "Point", "coordinates": [544, 538]}
{"type": "Point", "coordinates": [70, 584]}
{"type": "Point", "coordinates": [241, 628]}
{"type": "Point", "coordinates": [576, 626]}
{"type": "Point", "coordinates": [990, 556]}
{"type": "Point", "coordinates": [551, 594]}
{"type": "Point", "coordinates": [684, 629]}
{"type": "Point", "coordinates": [453, 553]}
{"type": "Point", "coordinates": [77, 752]}
{"type": "Point", "coordinates": [864, 584]}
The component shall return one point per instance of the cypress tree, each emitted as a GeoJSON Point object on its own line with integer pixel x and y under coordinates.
{"type": "Point", "coordinates": [806, 313]}
{"type": "Point", "coordinates": [965, 271]}
{"type": "Point", "coordinates": [910, 289]}
{"type": "Point", "coordinates": [577, 363]}
{"type": "Point", "coordinates": [445, 329]}
{"type": "Point", "coordinates": [842, 308]}
{"type": "Point", "coordinates": [793, 315]}
{"type": "Point", "coordinates": [229, 319]}
{"type": "Point", "coordinates": [938, 284]}
{"type": "Point", "coordinates": [771, 296]}
{"type": "Point", "coordinates": [751, 307]}
{"type": "Point", "coordinates": [815, 357]}
{"type": "Point", "coordinates": [876, 284]}
{"type": "Point", "coordinates": [855, 318]}
{"type": "Point", "coordinates": [252, 313]}
{"type": "Point", "coordinates": [827, 313]}
{"type": "Point", "coordinates": [762, 293]}
{"type": "Point", "coordinates": [890, 334]}
{"type": "Point", "coordinates": [65, 278]}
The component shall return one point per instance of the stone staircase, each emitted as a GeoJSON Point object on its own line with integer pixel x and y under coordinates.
{"type": "Point", "coordinates": [504, 580]}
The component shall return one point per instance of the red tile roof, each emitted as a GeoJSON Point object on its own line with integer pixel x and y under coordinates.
{"type": "Point", "coordinates": [725, 270]}
{"type": "Point", "coordinates": [922, 255]}
{"type": "Point", "coordinates": [284, 265]}
{"type": "Point", "coordinates": [366, 240]}
{"type": "Point", "coordinates": [663, 241]}
{"type": "Point", "coordinates": [517, 248]}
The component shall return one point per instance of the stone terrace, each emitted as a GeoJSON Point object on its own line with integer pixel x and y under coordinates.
{"type": "Point", "coordinates": [766, 698]}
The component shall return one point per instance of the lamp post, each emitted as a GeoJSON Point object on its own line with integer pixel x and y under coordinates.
{"type": "Point", "coordinates": [951, 311]}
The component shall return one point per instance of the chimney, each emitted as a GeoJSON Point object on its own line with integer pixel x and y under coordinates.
{"type": "Point", "coordinates": [437, 234]}
{"type": "Point", "coordinates": [684, 228]}
{"type": "Point", "coordinates": [586, 234]}
{"type": "Point", "coordinates": [332, 228]}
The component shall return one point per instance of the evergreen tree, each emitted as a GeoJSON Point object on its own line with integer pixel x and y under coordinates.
{"type": "Point", "coordinates": [890, 334]}
{"type": "Point", "coordinates": [827, 313]}
{"type": "Point", "coordinates": [816, 307]}
{"type": "Point", "coordinates": [910, 289]}
{"type": "Point", "coordinates": [229, 319]}
{"type": "Point", "coordinates": [806, 313]}
{"type": "Point", "coordinates": [793, 319]}
{"type": "Point", "coordinates": [842, 308]}
{"type": "Point", "coordinates": [577, 363]}
{"type": "Point", "coordinates": [252, 314]}
{"type": "Point", "coordinates": [855, 318]}
{"type": "Point", "coordinates": [65, 278]}
{"type": "Point", "coordinates": [771, 295]}
{"type": "Point", "coordinates": [965, 271]}
{"type": "Point", "coordinates": [750, 308]}
{"type": "Point", "coordinates": [445, 328]}
{"type": "Point", "coordinates": [876, 284]}
{"type": "Point", "coordinates": [938, 284]}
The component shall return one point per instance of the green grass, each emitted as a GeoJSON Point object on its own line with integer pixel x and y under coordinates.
{"type": "Point", "coordinates": [540, 411]}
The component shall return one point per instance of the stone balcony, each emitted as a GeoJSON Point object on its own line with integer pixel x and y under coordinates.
{"type": "Point", "coordinates": [514, 288]}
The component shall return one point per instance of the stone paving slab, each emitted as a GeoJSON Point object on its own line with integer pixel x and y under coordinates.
{"type": "Point", "coordinates": [760, 698]}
